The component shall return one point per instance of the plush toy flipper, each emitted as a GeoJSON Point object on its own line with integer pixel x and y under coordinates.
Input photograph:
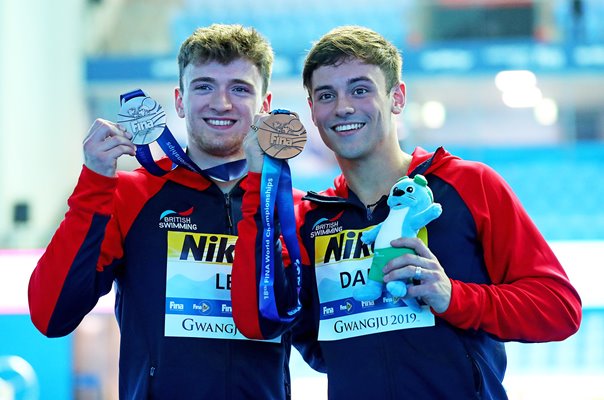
{"type": "Point", "coordinates": [369, 291]}
{"type": "Point", "coordinates": [426, 216]}
{"type": "Point", "coordinates": [397, 288]}
{"type": "Point", "coordinates": [369, 236]}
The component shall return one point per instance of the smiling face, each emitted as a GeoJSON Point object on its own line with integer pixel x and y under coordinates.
{"type": "Point", "coordinates": [218, 103]}
{"type": "Point", "coordinates": [353, 111]}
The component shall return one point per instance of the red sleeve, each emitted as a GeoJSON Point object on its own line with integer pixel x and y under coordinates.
{"type": "Point", "coordinates": [531, 298]}
{"type": "Point", "coordinates": [90, 208]}
{"type": "Point", "coordinates": [244, 287]}
{"type": "Point", "coordinates": [78, 266]}
{"type": "Point", "coordinates": [246, 272]}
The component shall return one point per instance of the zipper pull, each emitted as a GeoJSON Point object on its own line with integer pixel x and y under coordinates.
{"type": "Point", "coordinates": [227, 199]}
{"type": "Point", "coordinates": [370, 206]}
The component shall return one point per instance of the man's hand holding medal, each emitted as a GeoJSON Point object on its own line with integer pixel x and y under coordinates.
{"type": "Point", "coordinates": [105, 142]}
{"type": "Point", "coordinates": [274, 138]}
{"type": "Point", "coordinates": [279, 134]}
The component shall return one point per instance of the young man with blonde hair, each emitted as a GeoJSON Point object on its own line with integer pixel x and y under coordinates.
{"type": "Point", "coordinates": [165, 243]}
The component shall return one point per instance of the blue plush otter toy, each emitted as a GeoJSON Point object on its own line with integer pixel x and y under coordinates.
{"type": "Point", "coordinates": [411, 208]}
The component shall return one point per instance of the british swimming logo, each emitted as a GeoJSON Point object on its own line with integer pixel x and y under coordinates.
{"type": "Point", "coordinates": [171, 219]}
{"type": "Point", "coordinates": [326, 226]}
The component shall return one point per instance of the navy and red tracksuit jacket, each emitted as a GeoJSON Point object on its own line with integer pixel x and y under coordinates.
{"type": "Point", "coordinates": [506, 285]}
{"type": "Point", "coordinates": [116, 233]}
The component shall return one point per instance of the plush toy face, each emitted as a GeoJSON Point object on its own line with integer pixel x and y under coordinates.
{"type": "Point", "coordinates": [409, 192]}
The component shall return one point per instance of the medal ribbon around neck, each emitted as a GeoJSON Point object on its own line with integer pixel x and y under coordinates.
{"type": "Point", "coordinates": [145, 119]}
{"type": "Point", "coordinates": [281, 136]}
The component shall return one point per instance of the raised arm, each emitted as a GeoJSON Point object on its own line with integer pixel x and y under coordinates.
{"type": "Point", "coordinates": [69, 277]}
{"type": "Point", "coordinates": [77, 266]}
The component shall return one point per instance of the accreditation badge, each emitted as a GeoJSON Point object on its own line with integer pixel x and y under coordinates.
{"type": "Point", "coordinates": [198, 286]}
{"type": "Point", "coordinates": [342, 263]}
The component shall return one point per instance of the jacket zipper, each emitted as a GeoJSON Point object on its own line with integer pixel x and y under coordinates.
{"type": "Point", "coordinates": [368, 207]}
{"type": "Point", "coordinates": [369, 213]}
{"type": "Point", "coordinates": [229, 217]}
{"type": "Point", "coordinates": [150, 388]}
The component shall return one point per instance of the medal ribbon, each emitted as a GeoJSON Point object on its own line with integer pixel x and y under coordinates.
{"type": "Point", "coordinates": [276, 188]}
{"type": "Point", "coordinates": [224, 172]}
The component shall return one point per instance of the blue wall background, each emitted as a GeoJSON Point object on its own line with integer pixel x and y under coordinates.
{"type": "Point", "coordinates": [561, 187]}
{"type": "Point", "coordinates": [50, 358]}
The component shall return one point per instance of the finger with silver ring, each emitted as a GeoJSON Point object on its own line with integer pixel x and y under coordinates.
{"type": "Point", "coordinates": [418, 274]}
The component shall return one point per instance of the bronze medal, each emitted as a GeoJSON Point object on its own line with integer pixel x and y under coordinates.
{"type": "Point", "coordinates": [282, 135]}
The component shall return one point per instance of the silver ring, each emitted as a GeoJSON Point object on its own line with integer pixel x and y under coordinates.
{"type": "Point", "coordinates": [418, 274]}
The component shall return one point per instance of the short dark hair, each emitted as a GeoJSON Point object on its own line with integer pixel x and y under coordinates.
{"type": "Point", "coordinates": [354, 42]}
{"type": "Point", "coordinates": [224, 44]}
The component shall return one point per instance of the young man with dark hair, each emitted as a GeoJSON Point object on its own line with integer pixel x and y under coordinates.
{"type": "Point", "coordinates": [484, 272]}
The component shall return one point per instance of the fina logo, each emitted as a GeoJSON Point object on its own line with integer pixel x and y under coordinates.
{"type": "Point", "coordinates": [202, 307]}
